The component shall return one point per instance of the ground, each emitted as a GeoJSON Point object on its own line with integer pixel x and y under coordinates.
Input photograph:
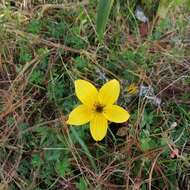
{"type": "Point", "coordinates": [44, 47]}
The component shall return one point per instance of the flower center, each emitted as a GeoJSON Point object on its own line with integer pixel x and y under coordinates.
{"type": "Point", "coordinates": [99, 108]}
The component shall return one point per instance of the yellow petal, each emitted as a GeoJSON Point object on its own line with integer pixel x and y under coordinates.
{"type": "Point", "coordinates": [116, 114]}
{"type": "Point", "coordinates": [98, 127]}
{"type": "Point", "coordinates": [80, 115]}
{"type": "Point", "coordinates": [109, 92]}
{"type": "Point", "coordinates": [132, 89]}
{"type": "Point", "coordinates": [86, 92]}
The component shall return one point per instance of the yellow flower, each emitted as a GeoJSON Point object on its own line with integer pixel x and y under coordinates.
{"type": "Point", "coordinates": [97, 107]}
{"type": "Point", "coordinates": [132, 89]}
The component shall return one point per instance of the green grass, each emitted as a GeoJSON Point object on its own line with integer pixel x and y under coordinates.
{"type": "Point", "coordinates": [43, 49]}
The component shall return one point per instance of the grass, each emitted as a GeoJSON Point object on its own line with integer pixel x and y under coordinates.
{"type": "Point", "coordinates": [47, 45]}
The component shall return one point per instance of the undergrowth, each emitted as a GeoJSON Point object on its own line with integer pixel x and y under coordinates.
{"type": "Point", "coordinates": [44, 47]}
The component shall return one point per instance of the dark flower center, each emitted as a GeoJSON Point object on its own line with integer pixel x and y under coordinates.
{"type": "Point", "coordinates": [99, 108]}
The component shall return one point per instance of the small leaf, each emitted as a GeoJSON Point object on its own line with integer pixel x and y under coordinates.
{"type": "Point", "coordinates": [81, 185]}
{"type": "Point", "coordinates": [104, 8]}
{"type": "Point", "coordinates": [63, 167]}
{"type": "Point", "coordinates": [36, 160]}
{"type": "Point", "coordinates": [34, 27]}
{"type": "Point", "coordinates": [148, 143]}
{"type": "Point", "coordinates": [145, 143]}
{"type": "Point", "coordinates": [37, 77]}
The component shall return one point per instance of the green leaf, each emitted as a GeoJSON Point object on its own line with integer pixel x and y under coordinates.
{"type": "Point", "coordinates": [63, 167]}
{"type": "Point", "coordinates": [104, 8]}
{"type": "Point", "coordinates": [23, 126]}
{"type": "Point", "coordinates": [145, 143]}
{"type": "Point", "coordinates": [37, 77]}
{"type": "Point", "coordinates": [81, 185]}
{"type": "Point", "coordinates": [10, 121]}
{"type": "Point", "coordinates": [55, 91]}
{"type": "Point", "coordinates": [147, 120]}
{"type": "Point", "coordinates": [34, 27]}
{"type": "Point", "coordinates": [25, 54]}
{"type": "Point", "coordinates": [36, 160]}
{"type": "Point", "coordinates": [148, 143]}
{"type": "Point", "coordinates": [81, 63]}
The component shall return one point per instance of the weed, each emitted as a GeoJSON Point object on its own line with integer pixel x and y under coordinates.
{"type": "Point", "coordinates": [44, 47]}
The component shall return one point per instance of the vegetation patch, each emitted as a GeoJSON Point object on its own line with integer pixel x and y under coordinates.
{"type": "Point", "coordinates": [132, 61]}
